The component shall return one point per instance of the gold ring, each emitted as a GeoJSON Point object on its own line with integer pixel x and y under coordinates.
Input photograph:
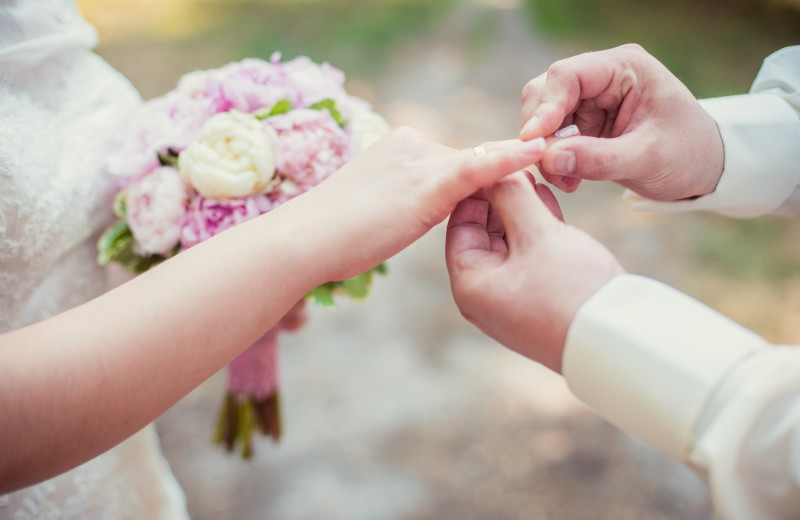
{"type": "Point", "coordinates": [479, 150]}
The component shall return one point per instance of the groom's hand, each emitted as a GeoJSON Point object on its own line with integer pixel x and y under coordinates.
{"type": "Point", "coordinates": [654, 137]}
{"type": "Point", "coordinates": [518, 272]}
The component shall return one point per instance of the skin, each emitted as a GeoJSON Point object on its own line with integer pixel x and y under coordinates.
{"type": "Point", "coordinates": [640, 126]}
{"type": "Point", "coordinates": [521, 274]}
{"type": "Point", "coordinates": [76, 384]}
{"type": "Point", "coordinates": [518, 272]}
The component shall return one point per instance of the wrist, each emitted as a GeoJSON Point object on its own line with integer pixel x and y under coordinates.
{"type": "Point", "coordinates": [325, 236]}
{"type": "Point", "coordinates": [296, 230]}
{"type": "Point", "coordinates": [712, 151]}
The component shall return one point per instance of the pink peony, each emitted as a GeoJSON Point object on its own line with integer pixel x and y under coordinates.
{"type": "Point", "coordinates": [310, 146]}
{"type": "Point", "coordinates": [245, 86]}
{"type": "Point", "coordinates": [315, 82]}
{"type": "Point", "coordinates": [252, 84]}
{"type": "Point", "coordinates": [171, 121]}
{"type": "Point", "coordinates": [206, 216]}
{"type": "Point", "coordinates": [156, 206]}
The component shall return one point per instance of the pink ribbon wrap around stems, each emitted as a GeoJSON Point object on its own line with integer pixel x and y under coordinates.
{"type": "Point", "coordinates": [252, 400]}
{"type": "Point", "coordinates": [254, 373]}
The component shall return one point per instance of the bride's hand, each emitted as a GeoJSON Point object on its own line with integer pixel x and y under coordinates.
{"type": "Point", "coordinates": [518, 272]}
{"type": "Point", "coordinates": [395, 191]}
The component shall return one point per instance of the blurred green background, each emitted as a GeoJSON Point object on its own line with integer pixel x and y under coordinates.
{"type": "Point", "coordinates": [714, 46]}
{"type": "Point", "coordinates": [454, 69]}
{"type": "Point", "coordinates": [711, 45]}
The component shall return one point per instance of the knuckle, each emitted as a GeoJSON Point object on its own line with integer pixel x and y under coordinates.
{"type": "Point", "coordinates": [512, 182]}
{"type": "Point", "coordinates": [469, 174]}
{"type": "Point", "coordinates": [410, 134]}
{"type": "Point", "coordinates": [403, 131]}
{"type": "Point", "coordinates": [557, 68]}
{"type": "Point", "coordinates": [564, 67]}
{"type": "Point", "coordinates": [633, 47]}
{"type": "Point", "coordinates": [530, 89]}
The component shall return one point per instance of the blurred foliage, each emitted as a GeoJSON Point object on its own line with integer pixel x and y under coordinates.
{"type": "Point", "coordinates": [764, 249]}
{"type": "Point", "coordinates": [714, 46]}
{"type": "Point", "coordinates": [356, 35]}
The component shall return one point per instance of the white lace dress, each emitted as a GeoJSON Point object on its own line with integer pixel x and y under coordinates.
{"type": "Point", "coordinates": [59, 102]}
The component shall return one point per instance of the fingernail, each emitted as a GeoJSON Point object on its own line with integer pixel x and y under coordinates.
{"type": "Point", "coordinates": [564, 162]}
{"type": "Point", "coordinates": [533, 147]}
{"type": "Point", "coordinates": [567, 131]}
{"type": "Point", "coordinates": [563, 184]}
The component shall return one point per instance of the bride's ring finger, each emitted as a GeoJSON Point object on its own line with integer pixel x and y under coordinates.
{"type": "Point", "coordinates": [483, 150]}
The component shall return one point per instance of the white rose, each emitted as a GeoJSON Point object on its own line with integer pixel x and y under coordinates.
{"type": "Point", "coordinates": [367, 127]}
{"type": "Point", "coordinates": [232, 157]}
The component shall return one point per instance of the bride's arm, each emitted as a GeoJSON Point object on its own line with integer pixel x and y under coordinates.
{"type": "Point", "coordinates": [76, 384]}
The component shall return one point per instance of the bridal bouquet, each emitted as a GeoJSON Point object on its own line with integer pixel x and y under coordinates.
{"type": "Point", "coordinates": [226, 146]}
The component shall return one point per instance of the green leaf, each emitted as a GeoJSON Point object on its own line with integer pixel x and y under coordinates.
{"type": "Point", "coordinates": [170, 158]}
{"type": "Point", "coordinates": [323, 295]}
{"type": "Point", "coordinates": [329, 104]}
{"type": "Point", "coordinates": [120, 206]}
{"type": "Point", "coordinates": [137, 264]}
{"type": "Point", "coordinates": [116, 239]}
{"type": "Point", "coordinates": [281, 107]}
{"type": "Point", "coordinates": [116, 245]}
{"type": "Point", "coordinates": [358, 287]}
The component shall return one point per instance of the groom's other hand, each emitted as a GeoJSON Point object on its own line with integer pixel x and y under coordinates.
{"type": "Point", "coordinates": [518, 272]}
{"type": "Point", "coordinates": [640, 126]}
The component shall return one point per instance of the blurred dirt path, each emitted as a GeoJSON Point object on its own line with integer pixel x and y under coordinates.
{"type": "Point", "coordinates": [398, 408]}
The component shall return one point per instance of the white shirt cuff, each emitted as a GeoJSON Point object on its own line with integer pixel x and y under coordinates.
{"type": "Point", "coordinates": [646, 357]}
{"type": "Point", "coordinates": [760, 134]}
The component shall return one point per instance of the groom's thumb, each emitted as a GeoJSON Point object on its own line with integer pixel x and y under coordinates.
{"type": "Point", "coordinates": [527, 210]}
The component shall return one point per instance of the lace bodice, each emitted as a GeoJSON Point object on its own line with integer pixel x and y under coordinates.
{"type": "Point", "coordinates": [59, 103]}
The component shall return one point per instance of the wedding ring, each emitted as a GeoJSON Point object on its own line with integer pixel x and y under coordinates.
{"type": "Point", "coordinates": [479, 150]}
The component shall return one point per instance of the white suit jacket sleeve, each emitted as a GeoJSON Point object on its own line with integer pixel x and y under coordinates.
{"type": "Point", "coordinates": [680, 376]}
{"type": "Point", "coordinates": [761, 136]}
{"type": "Point", "coordinates": [695, 386]}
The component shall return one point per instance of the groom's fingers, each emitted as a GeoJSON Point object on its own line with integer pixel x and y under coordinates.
{"type": "Point", "coordinates": [606, 75]}
{"type": "Point", "coordinates": [525, 215]}
{"type": "Point", "coordinates": [549, 200]}
{"type": "Point", "coordinates": [532, 98]}
{"type": "Point", "coordinates": [466, 228]}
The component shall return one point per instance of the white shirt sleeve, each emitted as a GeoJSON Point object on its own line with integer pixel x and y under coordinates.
{"type": "Point", "coordinates": [695, 386]}
{"type": "Point", "coordinates": [683, 378]}
{"type": "Point", "coordinates": [761, 137]}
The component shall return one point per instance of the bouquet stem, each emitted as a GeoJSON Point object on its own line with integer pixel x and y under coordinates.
{"type": "Point", "coordinates": [238, 421]}
{"type": "Point", "coordinates": [252, 400]}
